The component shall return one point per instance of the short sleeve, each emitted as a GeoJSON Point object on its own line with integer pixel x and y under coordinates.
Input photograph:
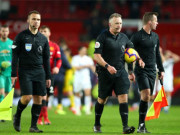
{"type": "Point", "coordinates": [99, 43]}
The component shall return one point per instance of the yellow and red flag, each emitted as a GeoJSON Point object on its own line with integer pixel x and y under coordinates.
{"type": "Point", "coordinates": [159, 102]}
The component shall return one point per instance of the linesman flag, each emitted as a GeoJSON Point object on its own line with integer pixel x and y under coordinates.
{"type": "Point", "coordinates": [6, 106]}
{"type": "Point", "coordinates": [159, 102]}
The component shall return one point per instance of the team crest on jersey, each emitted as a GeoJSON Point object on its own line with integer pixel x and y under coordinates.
{"type": "Point", "coordinates": [28, 47]}
{"type": "Point", "coordinates": [97, 45]}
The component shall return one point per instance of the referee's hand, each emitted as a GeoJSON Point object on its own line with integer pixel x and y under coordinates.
{"type": "Point", "coordinates": [132, 77]}
{"type": "Point", "coordinates": [111, 69]}
{"type": "Point", "coordinates": [141, 63]}
{"type": "Point", "coordinates": [48, 83]}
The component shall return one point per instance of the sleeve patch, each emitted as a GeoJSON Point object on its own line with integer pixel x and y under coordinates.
{"type": "Point", "coordinates": [97, 45]}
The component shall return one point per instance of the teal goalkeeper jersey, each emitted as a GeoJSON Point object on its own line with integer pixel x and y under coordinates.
{"type": "Point", "coordinates": [6, 55]}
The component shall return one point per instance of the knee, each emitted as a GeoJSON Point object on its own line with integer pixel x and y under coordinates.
{"type": "Point", "coordinates": [26, 99]}
{"type": "Point", "coordinates": [78, 94]}
{"type": "Point", "coordinates": [37, 100]}
{"type": "Point", "coordinates": [102, 101]}
{"type": "Point", "coordinates": [146, 98]}
{"type": "Point", "coordinates": [123, 98]}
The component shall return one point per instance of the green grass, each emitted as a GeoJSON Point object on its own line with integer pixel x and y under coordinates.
{"type": "Point", "coordinates": [69, 124]}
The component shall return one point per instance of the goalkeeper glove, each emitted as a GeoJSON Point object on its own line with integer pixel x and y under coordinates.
{"type": "Point", "coordinates": [5, 64]}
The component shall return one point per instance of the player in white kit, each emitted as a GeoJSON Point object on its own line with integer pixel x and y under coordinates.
{"type": "Point", "coordinates": [82, 81]}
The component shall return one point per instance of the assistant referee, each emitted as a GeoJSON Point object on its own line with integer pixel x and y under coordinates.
{"type": "Point", "coordinates": [146, 43]}
{"type": "Point", "coordinates": [30, 51]}
{"type": "Point", "coordinates": [109, 54]}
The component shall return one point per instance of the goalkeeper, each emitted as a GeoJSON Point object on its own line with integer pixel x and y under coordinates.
{"type": "Point", "coordinates": [5, 61]}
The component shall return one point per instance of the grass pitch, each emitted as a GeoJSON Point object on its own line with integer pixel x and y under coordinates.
{"type": "Point", "coordinates": [69, 124]}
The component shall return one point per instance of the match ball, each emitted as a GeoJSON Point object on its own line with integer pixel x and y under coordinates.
{"type": "Point", "coordinates": [130, 55]}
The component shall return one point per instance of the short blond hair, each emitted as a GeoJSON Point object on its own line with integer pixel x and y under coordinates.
{"type": "Point", "coordinates": [115, 15]}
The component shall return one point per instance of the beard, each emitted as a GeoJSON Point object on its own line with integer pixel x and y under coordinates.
{"type": "Point", "coordinates": [4, 37]}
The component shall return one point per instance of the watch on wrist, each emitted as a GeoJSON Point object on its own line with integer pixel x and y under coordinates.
{"type": "Point", "coordinates": [130, 72]}
{"type": "Point", "coordinates": [106, 66]}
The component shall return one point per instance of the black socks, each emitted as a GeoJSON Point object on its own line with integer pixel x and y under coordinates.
{"type": "Point", "coordinates": [35, 111]}
{"type": "Point", "coordinates": [123, 110]}
{"type": "Point", "coordinates": [142, 111]}
{"type": "Point", "coordinates": [20, 109]}
{"type": "Point", "coordinates": [98, 112]}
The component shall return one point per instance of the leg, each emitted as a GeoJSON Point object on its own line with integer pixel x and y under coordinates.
{"type": "Point", "coordinates": [35, 111]}
{"type": "Point", "coordinates": [2, 87]}
{"type": "Point", "coordinates": [59, 109]}
{"type": "Point", "coordinates": [71, 98]}
{"type": "Point", "coordinates": [21, 106]}
{"type": "Point", "coordinates": [168, 96]}
{"type": "Point", "coordinates": [145, 98]}
{"type": "Point", "coordinates": [123, 110]}
{"type": "Point", "coordinates": [42, 113]}
{"type": "Point", "coordinates": [99, 106]}
{"type": "Point", "coordinates": [88, 101]}
{"type": "Point", "coordinates": [77, 100]}
{"type": "Point", "coordinates": [1, 94]}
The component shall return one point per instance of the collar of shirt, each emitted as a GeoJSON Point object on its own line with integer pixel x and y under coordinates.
{"type": "Point", "coordinates": [113, 36]}
{"type": "Point", "coordinates": [144, 32]}
{"type": "Point", "coordinates": [37, 34]}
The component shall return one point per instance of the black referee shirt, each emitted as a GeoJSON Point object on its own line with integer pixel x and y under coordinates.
{"type": "Point", "coordinates": [147, 45]}
{"type": "Point", "coordinates": [30, 51]}
{"type": "Point", "coordinates": [112, 48]}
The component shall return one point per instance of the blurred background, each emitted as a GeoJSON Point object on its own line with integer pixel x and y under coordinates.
{"type": "Point", "coordinates": [77, 23]}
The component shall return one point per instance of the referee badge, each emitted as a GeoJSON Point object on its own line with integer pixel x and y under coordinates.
{"type": "Point", "coordinates": [28, 47]}
{"type": "Point", "coordinates": [97, 45]}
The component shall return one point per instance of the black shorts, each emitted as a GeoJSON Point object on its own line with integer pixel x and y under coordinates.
{"type": "Point", "coordinates": [107, 83]}
{"type": "Point", "coordinates": [32, 82]}
{"type": "Point", "coordinates": [50, 91]}
{"type": "Point", "coordinates": [145, 78]}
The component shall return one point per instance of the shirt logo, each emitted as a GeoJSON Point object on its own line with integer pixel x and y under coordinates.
{"type": "Point", "coordinates": [14, 46]}
{"type": "Point", "coordinates": [123, 48]}
{"type": "Point", "coordinates": [155, 47]}
{"type": "Point", "coordinates": [5, 51]}
{"type": "Point", "coordinates": [28, 47]}
{"type": "Point", "coordinates": [51, 48]}
{"type": "Point", "coordinates": [97, 45]}
{"type": "Point", "coordinates": [40, 49]}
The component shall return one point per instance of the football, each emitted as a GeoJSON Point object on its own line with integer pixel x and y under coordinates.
{"type": "Point", "coordinates": [130, 55]}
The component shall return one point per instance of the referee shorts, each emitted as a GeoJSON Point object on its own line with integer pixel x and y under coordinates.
{"type": "Point", "coordinates": [32, 82]}
{"type": "Point", "coordinates": [145, 78]}
{"type": "Point", "coordinates": [118, 82]}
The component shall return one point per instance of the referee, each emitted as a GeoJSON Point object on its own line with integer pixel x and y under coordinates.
{"type": "Point", "coordinates": [30, 51]}
{"type": "Point", "coordinates": [146, 43]}
{"type": "Point", "coordinates": [109, 54]}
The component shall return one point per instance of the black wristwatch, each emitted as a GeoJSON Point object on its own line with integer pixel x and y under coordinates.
{"type": "Point", "coordinates": [106, 66]}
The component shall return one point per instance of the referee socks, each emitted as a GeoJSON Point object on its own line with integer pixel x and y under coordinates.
{"type": "Point", "coordinates": [98, 112]}
{"type": "Point", "coordinates": [123, 110]}
{"type": "Point", "coordinates": [35, 111]}
{"type": "Point", "coordinates": [142, 111]}
{"type": "Point", "coordinates": [20, 109]}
